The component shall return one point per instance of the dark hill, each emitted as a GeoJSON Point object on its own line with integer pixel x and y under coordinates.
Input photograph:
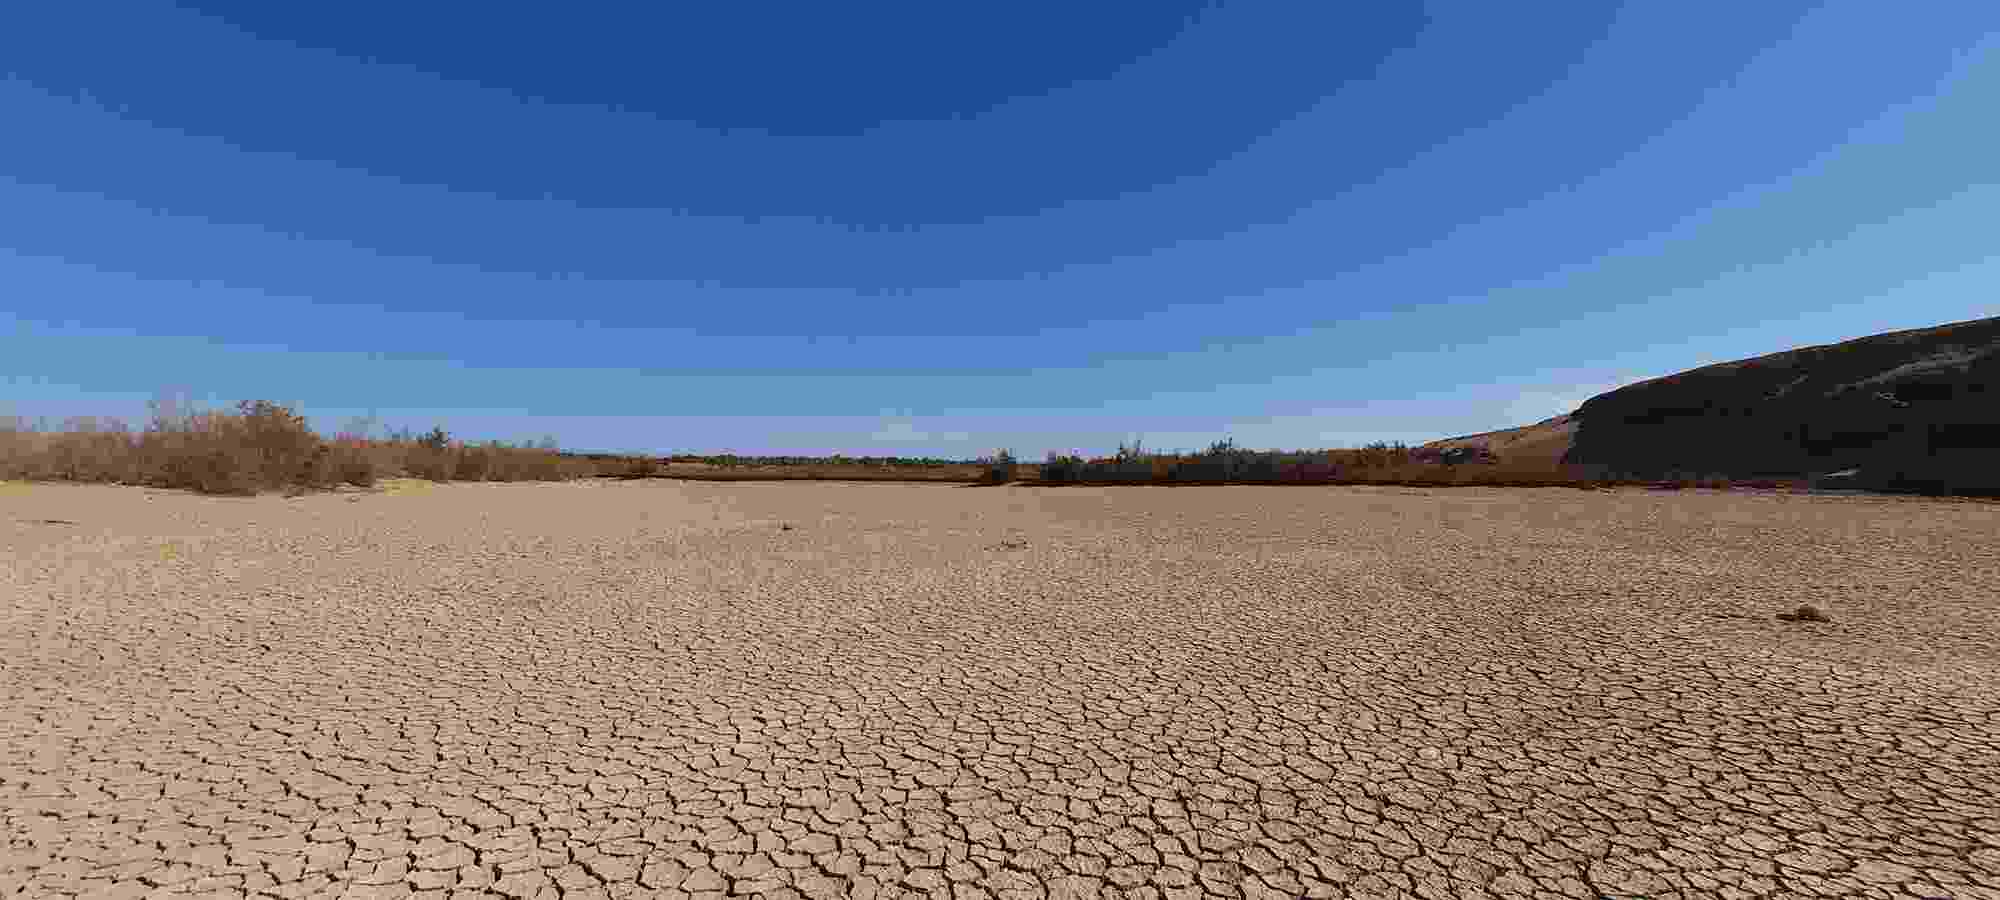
{"type": "Point", "coordinates": [1915, 410]}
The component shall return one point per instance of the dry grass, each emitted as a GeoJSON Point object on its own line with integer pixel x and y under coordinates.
{"type": "Point", "coordinates": [262, 446]}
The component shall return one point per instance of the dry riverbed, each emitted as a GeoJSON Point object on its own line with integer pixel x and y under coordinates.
{"type": "Point", "coordinates": [823, 689]}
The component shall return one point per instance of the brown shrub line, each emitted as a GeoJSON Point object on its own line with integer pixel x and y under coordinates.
{"type": "Point", "coordinates": [264, 446]}
{"type": "Point", "coordinates": [1375, 464]}
{"type": "Point", "coordinates": [1580, 482]}
{"type": "Point", "coordinates": [949, 474]}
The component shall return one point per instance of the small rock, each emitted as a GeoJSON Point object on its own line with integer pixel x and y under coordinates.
{"type": "Point", "coordinates": [1805, 613]}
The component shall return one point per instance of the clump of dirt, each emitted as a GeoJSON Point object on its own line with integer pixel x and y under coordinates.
{"type": "Point", "coordinates": [1805, 613]}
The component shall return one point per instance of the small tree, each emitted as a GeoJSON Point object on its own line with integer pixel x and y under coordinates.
{"type": "Point", "coordinates": [999, 467]}
{"type": "Point", "coordinates": [1061, 469]}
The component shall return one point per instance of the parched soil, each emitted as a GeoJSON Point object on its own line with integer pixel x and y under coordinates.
{"type": "Point", "coordinates": [657, 688]}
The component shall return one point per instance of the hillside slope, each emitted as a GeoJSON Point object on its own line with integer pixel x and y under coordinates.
{"type": "Point", "coordinates": [1911, 410]}
{"type": "Point", "coordinates": [1544, 441]}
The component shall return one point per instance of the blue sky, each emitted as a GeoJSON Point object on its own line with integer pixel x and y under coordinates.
{"type": "Point", "coordinates": [936, 229]}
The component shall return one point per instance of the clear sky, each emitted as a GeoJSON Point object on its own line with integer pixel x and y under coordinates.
{"type": "Point", "coordinates": [923, 228]}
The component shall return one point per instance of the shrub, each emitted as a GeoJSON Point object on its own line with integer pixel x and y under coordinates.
{"type": "Point", "coordinates": [472, 464]}
{"type": "Point", "coordinates": [428, 463]}
{"type": "Point", "coordinates": [1061, 469]}
{"type": "Point", "coordinates": [999, 467]}
{"type": "Point", "coordinates": [261, 446]}
{"type": "Point", "coordinates": [282, 450]}
{"type": "Point", "coordinates": [348, 465]}
{"type": "Point", "coordinates": [258, 446]}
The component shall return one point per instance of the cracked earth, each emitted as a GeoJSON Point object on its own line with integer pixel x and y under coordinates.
{"type": "Point", "coordinates": [655, 689]}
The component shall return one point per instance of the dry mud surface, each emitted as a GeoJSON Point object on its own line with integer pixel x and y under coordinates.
{"type": "Point", "coordinates": [655, 689]}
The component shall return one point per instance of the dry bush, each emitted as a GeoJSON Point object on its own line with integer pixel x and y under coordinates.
{"type": "Point", "coordinates": [348, 464]}
{"type": "Point", "coordinates": [639, 467]}
{"type": "Point", "coordinates": [947, 472]}
{"type": "Point", "coordinates": [258, 446]}
{"type": "Point", "coordinates": [87, 449]}
{"type": "Point", "coordinates": [999, 468]}
{"type": "Point", "coordinates": [1387, 464]}
{"type": "Point", "coordinates": [1062, 468]}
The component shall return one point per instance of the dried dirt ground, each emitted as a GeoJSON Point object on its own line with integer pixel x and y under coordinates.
{"type": "Point", "coordinates": [655, 688]}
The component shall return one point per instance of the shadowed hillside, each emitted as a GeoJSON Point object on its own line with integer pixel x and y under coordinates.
{"type": "Point", "coordinates": [1915, 410]}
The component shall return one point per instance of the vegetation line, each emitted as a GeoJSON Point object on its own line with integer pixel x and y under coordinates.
{"type": "Point", "coordinates": [264, 446]}
{"type": "Point", "coordinates": [1375, 464]}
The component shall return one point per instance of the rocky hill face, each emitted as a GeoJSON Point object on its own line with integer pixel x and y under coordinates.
{"type": "Point", "coordinates": [1911, 410]}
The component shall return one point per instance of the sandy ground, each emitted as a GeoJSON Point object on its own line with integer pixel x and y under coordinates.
{"type": "Point", "coordinates": [627, 689]}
